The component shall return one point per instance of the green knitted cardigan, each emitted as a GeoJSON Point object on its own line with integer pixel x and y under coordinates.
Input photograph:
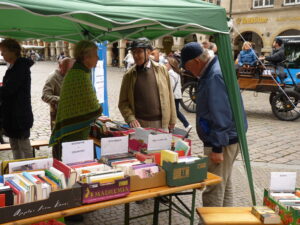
{"type": "Point", "coordinates": [78, 106]}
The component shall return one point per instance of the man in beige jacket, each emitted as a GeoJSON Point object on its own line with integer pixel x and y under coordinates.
{"type": "Point", "coordinates": [146, 98]}
{"type": "Point", "coordinates": [51, 90]}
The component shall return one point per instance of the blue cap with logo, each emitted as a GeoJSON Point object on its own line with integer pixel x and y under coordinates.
{"type": "Point", "coordinates": [190, 51]}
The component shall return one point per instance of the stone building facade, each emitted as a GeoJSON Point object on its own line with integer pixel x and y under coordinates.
{"type": "Point", "coordinates": [261, 21]}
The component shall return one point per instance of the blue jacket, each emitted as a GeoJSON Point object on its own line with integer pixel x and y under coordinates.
{"type": "Point", "coordinates": [214, 119]}
{"type": "Point", "coordinates": [247, 57]}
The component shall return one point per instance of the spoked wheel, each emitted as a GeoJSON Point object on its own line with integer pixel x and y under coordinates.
{"type": "Point", "coordinates": [282, 107]}
{"type": "Point", "coordinates": [189, 92]}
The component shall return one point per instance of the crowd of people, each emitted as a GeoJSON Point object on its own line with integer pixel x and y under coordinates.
{"type": "Point", "coordinates": [149, 97]}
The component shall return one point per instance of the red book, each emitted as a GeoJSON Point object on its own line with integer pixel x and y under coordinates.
{"type": "Point", "coordinates": [62, 167]}
{"type": "Point", "coordinates": [2, 200]}
{"type": "Point", "coordinates": [15, 191]}
{"type": "Point", "coordinates": [84, 165]}
{"type": "Point", "coordinates": [145, 158]}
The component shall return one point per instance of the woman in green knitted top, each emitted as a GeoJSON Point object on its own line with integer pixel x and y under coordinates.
{"type": "Point", "coordinates": [78, 106]}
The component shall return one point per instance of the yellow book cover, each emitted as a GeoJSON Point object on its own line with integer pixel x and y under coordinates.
{"type": "Point", "coordinates": [168, 156]}
{"type": "Point", "coordinates": [107, 178]}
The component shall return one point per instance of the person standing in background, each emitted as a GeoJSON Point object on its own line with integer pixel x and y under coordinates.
{"type": "Point", "coordinates": [51, 90]}
{"type": "Point", "coordinates": [174, 72]}
{"type": "Point", "coordinates": [15, 95]}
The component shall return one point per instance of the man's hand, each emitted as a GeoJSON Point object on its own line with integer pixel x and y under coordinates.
{"type": "Point", "coordinates": [261, 58]}
{"type": "Point", "coordinates": [216, 157]}
{"type": "Point", "coordinates": [134, 124]}
{"type": "Point", "coordinates": [171, 127]}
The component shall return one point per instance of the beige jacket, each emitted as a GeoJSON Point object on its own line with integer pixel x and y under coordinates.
{"type": "Point", "coordinates": [51, 93]}
{"type": "Point", "coordinates": [126, 98]}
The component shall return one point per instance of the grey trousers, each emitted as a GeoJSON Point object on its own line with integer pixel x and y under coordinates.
{"type": "Point", "coordinates": [21, 148]}
{"type": "Point", "coordinates": [221, 195]}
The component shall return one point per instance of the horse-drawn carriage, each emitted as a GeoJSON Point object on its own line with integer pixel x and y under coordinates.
{"type": "Point", "coordinates": [283, 86]}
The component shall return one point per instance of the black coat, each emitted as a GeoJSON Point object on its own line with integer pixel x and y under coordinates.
{"type": "Point", "coordinates": [277, 56]}
{"type": "Point", "coordinates": [16, 99]}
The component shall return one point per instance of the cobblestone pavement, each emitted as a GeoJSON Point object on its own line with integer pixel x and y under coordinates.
{"type": "Point", "coordinates": [273, 145]}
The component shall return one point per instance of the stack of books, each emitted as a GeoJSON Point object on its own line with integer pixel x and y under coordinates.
{"type": "Point", "coordinates": [266, 215]}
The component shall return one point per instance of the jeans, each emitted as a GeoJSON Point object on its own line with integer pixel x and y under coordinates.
{"type": "Point", "coordinates": [180, 116]}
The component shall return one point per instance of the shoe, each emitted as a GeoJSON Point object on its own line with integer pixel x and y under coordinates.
{"type": "Point", "coordinates": [75, 218]}
{"type": "Point", "coordinates": [188, 128]}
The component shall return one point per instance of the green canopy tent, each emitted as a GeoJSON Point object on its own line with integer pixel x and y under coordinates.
{"type": "Point", "coordinates": [100, 20]}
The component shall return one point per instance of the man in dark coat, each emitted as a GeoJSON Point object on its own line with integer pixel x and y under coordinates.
{"type": "Point", "coordinates": [214, 122]}
{"type": "Point", "coordinates": [16, 99]}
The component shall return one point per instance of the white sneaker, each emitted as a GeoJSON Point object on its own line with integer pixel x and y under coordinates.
{"type": "Point", "coordinates": [188, 128]}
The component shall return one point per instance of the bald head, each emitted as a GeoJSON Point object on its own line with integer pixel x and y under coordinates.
{"type": "Point", "coordinates": [65, 65]}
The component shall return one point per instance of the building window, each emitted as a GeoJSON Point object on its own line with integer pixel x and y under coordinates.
{"type": "Point", "coordinates": [218, 2]}
{"type": "Point", "coordinates": [263, 3]}
{"type": "Point", "coordinates": [211, 1]}
{"type": "Point", "coordinates": [291, 2]}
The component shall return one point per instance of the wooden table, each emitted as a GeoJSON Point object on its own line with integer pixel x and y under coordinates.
{"type": "Point", "coordinates": [228, 216]}
{"type": "Point", "coordinates": [132, 197]}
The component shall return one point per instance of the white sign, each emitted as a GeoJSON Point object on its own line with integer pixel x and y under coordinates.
{"type": "Point", "coordinates": [114, 145]}
{"type": "Point", "coordinates": [159, 142]}
{"type": "Point", "coordinates": [99, 81]}
{"type": "Point", "coordinates": [77, 151]}
{"type": "Point", "coordinates": [283, 181]}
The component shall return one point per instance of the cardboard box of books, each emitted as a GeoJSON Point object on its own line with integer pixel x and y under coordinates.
{"type": "Point", "coordinates": [145, 178]}
{"type": "Point", "coordinates": [58, 200]}
{"type": "Point", "coordinates": [97, 192]}
{"type": "Point", "coordinates": [185, 170]}
{"type": "Point", "coordinates": [287, 205]}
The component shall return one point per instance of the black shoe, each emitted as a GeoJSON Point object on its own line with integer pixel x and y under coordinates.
{"type": "Point", "coordinates": [75, 218]}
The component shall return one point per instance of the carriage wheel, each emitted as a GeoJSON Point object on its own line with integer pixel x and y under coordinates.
{"type": "Point", "coordinates": [282, 107]}
{"type": "Point", "coordinates": [188, 101]}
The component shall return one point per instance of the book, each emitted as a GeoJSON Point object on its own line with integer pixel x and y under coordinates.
{"type": "Point", "coordinates": [27, 185]}
{"type": "Point", "coordinates": [282, 196]}
{"type": "Point", "coordinates": [35, 164]}
{"type": "Point", "coordinates": [265, 215]}
{"type": "Point", "coordinates": [182, 146]}
{"type": "Point", "coordinates": [145, 158]}
{"type": "Point", "coordinates": [297, 193]}
{"type": "Point", "coordinates": [46, 188]}
{"type": "Point", "coordinates": [91, 169]}
{"type": "Point", "coordinates": [2, 200]}
{"type": "Point", "coordinates": [60, 175]}
{"type": "Point", "coordinates": [106, 178]}
{"type": "Point", "coordinates": [146, 172]}
{"type": "Point", "coordinates": [5, 164]}
{"type": "Point", "coordinates": [69, 172]}
{"type": "Point", "coordinates": [37, 185]}
{"type": "Point", "coordinates": [53, 178]}
{"type": "Point", "coordinates": [9, 197]}
{"type": "Point", "coordinates": [25, 195]}
{"type": "Point", "coordinates": [16, 191]}
{"type": "Point", "coordinates": [54, 186]}
{"type": "Point", "coordinates": [168, 156]}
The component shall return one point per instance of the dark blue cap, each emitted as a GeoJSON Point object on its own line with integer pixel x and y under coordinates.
{"type": "Point", "coordinates": [190, 51]}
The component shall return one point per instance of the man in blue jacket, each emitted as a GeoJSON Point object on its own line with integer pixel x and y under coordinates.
{"type": "Point", "coordinates": [214, 121]}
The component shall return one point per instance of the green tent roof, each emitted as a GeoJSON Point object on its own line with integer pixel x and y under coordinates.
{"type": "Point", "coordinates": [72, 20]}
